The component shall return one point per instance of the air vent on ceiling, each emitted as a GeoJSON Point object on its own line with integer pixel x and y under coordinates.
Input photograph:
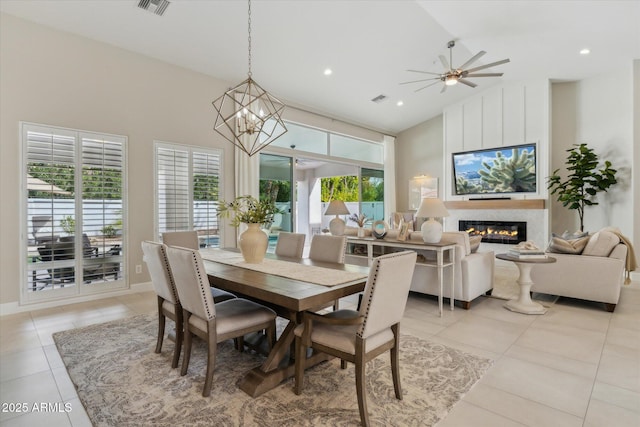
{"type": "Point", "coordinates": [155, 6]}
{"type": "Point", "coordinates": [379, 98]}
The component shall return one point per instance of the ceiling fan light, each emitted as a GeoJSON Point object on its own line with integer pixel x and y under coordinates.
{"type": "Point", "coordinates": [450, 80]}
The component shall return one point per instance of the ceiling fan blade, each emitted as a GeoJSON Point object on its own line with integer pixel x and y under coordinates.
{"type": "Point", "coordinates": [483, 75]}
{"type": "Point", "coordinates": [424, 72]}
{"type": "Point", "coordinates": [444, 87]}
{"type": "Point", "coordinates": [472, 60]}
{"type": "Point", "coordinates": [424, 87]}
{"type": "Point", "coordinates": [444, 62]}
{"type": "Point", "coordinates": [482, 67]}
{"type": "Point", "coordinates": [421, 80]}
{"type": "Point", "coordinates": [467, 82]}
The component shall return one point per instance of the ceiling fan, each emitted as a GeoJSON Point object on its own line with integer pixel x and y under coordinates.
{"type": "Point", "coordinates": [451, 76]}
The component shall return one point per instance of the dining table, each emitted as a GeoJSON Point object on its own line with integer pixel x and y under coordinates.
{"type": "Point", "coordinates": [289, 286]}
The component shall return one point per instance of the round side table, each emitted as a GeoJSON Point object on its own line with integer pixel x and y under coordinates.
{"type": "Point", "coordinates": [524, 304]}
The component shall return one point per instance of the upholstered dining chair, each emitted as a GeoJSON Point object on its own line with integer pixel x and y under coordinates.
{"type": "Point", "coordinates": [326, 248]}
{"type": "Point", "coordinates": [213, 323]}
{"type": "Point", "coordinates": [155, 257]}
{"type": "Point", "coordinates": [290, 244]}
{"type": "Point", "coordinates": [189, 240]}
{"type": "Point", "coordinates": [360, 336]}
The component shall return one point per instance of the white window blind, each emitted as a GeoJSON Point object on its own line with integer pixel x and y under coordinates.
{"type": "Point", "coordinates": [188, 183]}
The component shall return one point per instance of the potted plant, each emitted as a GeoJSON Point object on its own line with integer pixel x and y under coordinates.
{"type": "Point", "coordinates": [584, 180]}
{"type": "Point", "coordinates": [254, 213]}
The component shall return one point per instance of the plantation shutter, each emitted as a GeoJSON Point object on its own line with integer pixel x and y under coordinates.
{"type": "Point", "coordinates": [187, 191]}
{"type": "Point", "coordinates": [74, 208]}
{"type": "Point", "coordinates": [102, 208]}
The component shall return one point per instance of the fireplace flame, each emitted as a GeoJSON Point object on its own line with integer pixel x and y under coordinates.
{"type": "Point", "coordinates": [489, 231]}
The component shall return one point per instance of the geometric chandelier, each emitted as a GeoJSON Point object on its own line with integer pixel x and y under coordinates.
{"type": "Point", "coordinates": [248, 116]}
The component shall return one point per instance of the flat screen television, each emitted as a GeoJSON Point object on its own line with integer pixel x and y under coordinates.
{"type": "Point", "coordinates": [495, 170]}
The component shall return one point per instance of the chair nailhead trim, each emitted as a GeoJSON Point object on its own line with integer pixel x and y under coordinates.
{"type": "Point", "coordinates": [202, 288]}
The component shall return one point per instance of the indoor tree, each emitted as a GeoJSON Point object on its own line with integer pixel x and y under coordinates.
{"type": "Point", "coordinates": [585, 180]}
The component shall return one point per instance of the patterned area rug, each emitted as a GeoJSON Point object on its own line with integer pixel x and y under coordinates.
{"type": "Point", "coordinates": [122, 382]}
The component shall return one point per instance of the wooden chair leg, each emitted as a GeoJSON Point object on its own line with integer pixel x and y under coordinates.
{"type": "Point", "coordinates": [395, 365]}
{"type": "Point", "coordinates": [161, 323]}
{"type": "Point", "coordinates": [301, 356]}
{"type": "Point", "coordinates": [360, 387]}
{"type": "Point", "coordinates": [179, 338]}
{"type": "Point", "coordinates": [212, 344]}
{"type": "Point", "coordinates": [187, 345]}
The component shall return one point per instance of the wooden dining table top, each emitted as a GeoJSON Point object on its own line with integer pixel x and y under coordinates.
{"type": "Point", "coordinates": [290, 294]}
{"type": "Point", "coordinates": [289, 298]}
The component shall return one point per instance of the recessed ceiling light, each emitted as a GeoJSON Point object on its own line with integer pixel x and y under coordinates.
{"type": "Point", "coordinates": [399, 103]}
{"type": "Point", "coordinates": [585, 51]}
{"type": "Point", "coordinates": [328, 71]}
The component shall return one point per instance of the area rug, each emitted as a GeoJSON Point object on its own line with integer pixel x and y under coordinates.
{"type": "Point", "coordinates": [122, 382]}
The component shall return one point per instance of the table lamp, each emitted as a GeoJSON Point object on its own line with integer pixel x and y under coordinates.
{"type": "Point", "coordinates": [336, 226]}
{"type": "Point", "coordinates": [431, 208]}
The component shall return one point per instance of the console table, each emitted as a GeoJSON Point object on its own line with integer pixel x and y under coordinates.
{"type": "Point", "coordinates": [362, 250]}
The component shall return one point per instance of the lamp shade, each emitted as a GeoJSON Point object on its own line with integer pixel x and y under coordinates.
{"type": "Point", "coordinates": [431, 208]}
{"type": "Point", "coordinates": [337, 207]}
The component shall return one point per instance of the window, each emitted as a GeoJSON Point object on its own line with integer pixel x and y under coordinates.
{"type": "Point", "coordinates": [188, 187]}
{"type": "Point", "coordinates": [75, 211]}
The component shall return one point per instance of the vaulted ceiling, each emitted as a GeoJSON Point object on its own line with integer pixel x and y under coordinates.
{"type": "Point", "coordinates": [369, 45]}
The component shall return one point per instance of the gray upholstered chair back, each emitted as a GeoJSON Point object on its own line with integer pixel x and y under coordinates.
{"type": "Point", "coordinates": [386, 292]}
{"type": "Point", "coordinates": [191, 282]}
{"type": "Point", "coordinates": [183, 239]}
{"type": "Point", "coordinates": [328, 248]}
{"type": "Point", "coordinates": [290, 244]}
{"type": "Point", "coordinates": [155, 257]}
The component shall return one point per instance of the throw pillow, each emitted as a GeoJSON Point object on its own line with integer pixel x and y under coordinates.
{"type": "Point", "coordinates": [559, 245]}
{"type": "Point", "coordinates": [474, 243]}
{"type": "Point", "coordinates": [601, 244]}
{"type": "Point", "coordinates": [570, 236]}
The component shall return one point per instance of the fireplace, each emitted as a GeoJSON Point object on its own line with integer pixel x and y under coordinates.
{"type": "Point", "coordinates": [505, 232]}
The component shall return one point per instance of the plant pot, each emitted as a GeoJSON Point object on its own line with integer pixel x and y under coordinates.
{"type": "Point", "coordinates": [253, 244]}
{"type": "Point", "coordinates": [360, 231]}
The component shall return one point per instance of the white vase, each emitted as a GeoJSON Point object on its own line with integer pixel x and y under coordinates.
{"type": "Point", "coordinates": [360, 231]}
{"type": "Point", "coordinates": [253, 244]}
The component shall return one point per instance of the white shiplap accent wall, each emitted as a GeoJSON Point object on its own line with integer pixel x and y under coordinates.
{"type": "Point", "coordinates": [510, 114]}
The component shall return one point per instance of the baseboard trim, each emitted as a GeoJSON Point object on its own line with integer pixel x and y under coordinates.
{"type": "Point", "coordinates": [14, 307]}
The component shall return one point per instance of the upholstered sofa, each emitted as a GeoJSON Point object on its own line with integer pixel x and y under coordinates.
{"type": "Point", "coordinates": [594, 273]}
{"type": "Point", "coordinates": [473, 271]}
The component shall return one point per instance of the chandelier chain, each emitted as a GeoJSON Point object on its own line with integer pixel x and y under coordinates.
{"type": "Point", "coordinates": [249, 38]}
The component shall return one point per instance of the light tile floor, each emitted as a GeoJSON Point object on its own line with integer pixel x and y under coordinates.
{"type": "Point", "coordinates": [577, 365]}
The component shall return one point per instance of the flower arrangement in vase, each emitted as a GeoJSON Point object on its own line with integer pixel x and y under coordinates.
{"type": "Point", "coordinates": [248, 210]}
{"type": "Point", "coordinates": [359, 219]}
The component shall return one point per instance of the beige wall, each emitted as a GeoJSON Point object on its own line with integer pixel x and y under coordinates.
{"type": "Point", "coordinates": [418, 152]}
{"type": "Point", "coordinates": [55, 78]}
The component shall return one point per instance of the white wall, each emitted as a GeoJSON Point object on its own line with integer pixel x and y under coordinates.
{"type": "Point", "coordinates": [603, 111]}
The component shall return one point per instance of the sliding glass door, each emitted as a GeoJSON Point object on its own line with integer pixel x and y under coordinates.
{"type": "Point", "coordinates": [276, 178]}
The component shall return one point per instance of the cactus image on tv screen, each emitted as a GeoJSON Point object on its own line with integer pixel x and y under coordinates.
{"type": "Point", "coordinates": [497, 170]}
